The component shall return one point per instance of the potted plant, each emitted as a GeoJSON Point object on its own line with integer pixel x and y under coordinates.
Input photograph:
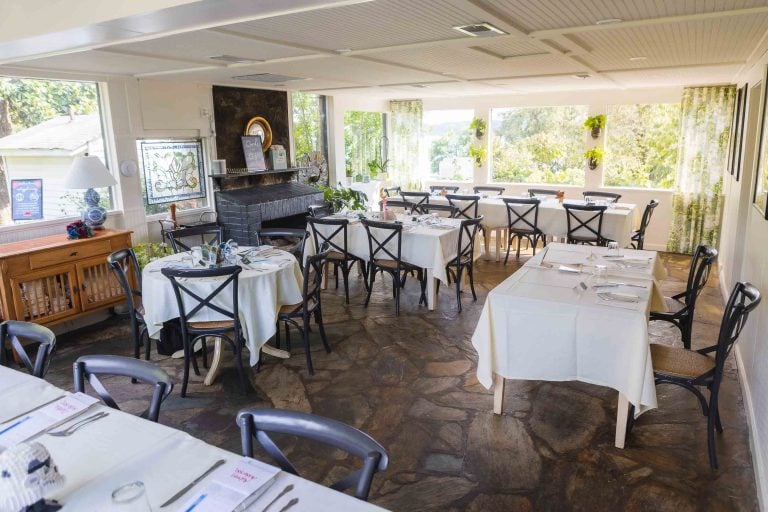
{"type": "Point", "coordinates": [358, 178]}
{"type": "Point", "coordinates": [478, 153]}
{"type": "Point", "coordinates": [594, 156]}
{"type": "Point", "coordinates": [480, 125]}
{"type": "Point", "coordinates": [342, 197]}
{"type": "Point", "coordinates": [378, 167]}
{"type": "Point", "coordinates": [150, 251]}
{"type": "Point", "coordinates": [596, 124]}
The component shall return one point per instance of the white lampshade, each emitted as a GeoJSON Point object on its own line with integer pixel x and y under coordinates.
{"type": "Point", "coordinates": [88, 172]}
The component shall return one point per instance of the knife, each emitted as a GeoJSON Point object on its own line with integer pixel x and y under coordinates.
{"type": "Point", "coordinates": [193, 483]}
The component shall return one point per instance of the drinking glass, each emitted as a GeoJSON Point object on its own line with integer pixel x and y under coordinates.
{"type": "Point", "coordinates": [600, 274]}
{"type": "Point", "coordinates": [197, 255]}
{"type": "Point", "coordinates": [613, 249]}
{"type": "Point", "coordinates": [232, 253]}
{"type": "Point", "coordinates": [131, 497]}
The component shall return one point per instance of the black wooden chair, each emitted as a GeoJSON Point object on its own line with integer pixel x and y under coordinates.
{"type": "Point", "coordinates": [488, 190]}
{"type": "Point", "coordinates": [126, 268]}
{"type": "Point", "coordinates": [11, 331]}
{"type": "Point", "coordinates": [180, 238]}
{"type": "Point", "coordinates": [681, 307]}
{"type": "Point", "coordinates": [192, 330]}
{"type": "Point", "coordinates": [467, 205]}
{"type": "Point", "coordinates": [451, 189]}
{"type": "Point", "coordinates": [320, 210]}
{"type": "Point", "coordinates": [465, 258]}
{"type": "Point", "coordinates": [330, 235]}
{"type": "Point", "coordinates": [638, 237]}
{"type": "Point", "coordinates": [166, 226]}
{"type": "Point", "coordinates": [523, 222]}
{"type": "Point", "coordinates": [308, 307]}
{"type": "Point", "coordinates": [452, 211]}
{"type": "Point", "coordinates": [90, 368]}
{"type": "Point", "coordinates": [418, 199]}
{"type": "Point", "coordinates": [296, 239]}
{"type": "Point", "coordinates": [542, 193]}
{"type": "Point", "coordinates": [385, 242]}
{"type": "Point", "coordinates": [396, 204]}
{"type": "Point", "coordinates": [695, 369]}
{"type": "Point", "coordinates": [260, 423]}
{"type": "Point", "coordinates": [592, 195]}
{"type": "Point", "coordinates": [392, 191]}
{"type": "Point", "coordinates": [585, 224]}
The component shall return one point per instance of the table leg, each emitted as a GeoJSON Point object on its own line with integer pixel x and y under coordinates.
{"type": "Point", "coordinates": [213, 370]}
{"type": "Point", "coordinates": [487, 242]}
{"type": "Point", "coordinates": [498, 245]}
{"type": "Point", "coordinates": [431, 294]}
{"type": "Point", "coordinates": [325, 276]}
{"type": "Point", "coordinates": [498, 393]}
{"type": "Point", "coordinates": [622, 414]}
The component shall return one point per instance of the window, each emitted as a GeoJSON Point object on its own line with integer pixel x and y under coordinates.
{"type": "Point", "coordinates": [364, 142]}
{"type": "Point", "coordinates": [641, 145]}
{"type": "Point", "coordinates": [447, 137]}
{"type": "Point", "coordinates": [44, 125]}
{"type": "Point", "coordinates": [538, 145]}
{"type": "Point", "coordinates": [310, 141]}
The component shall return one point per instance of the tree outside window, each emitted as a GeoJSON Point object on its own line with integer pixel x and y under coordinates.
{"type": "Point", "coordinates": [447, 137]}
{"type": "Point", "coordinates": [641, 145]}
{"type": "Point", "coordinates": [363, 142]}
{"type": "Point", "coordinates": [309, 137]}
{"type": "Point", "coordinates": [538, 145]}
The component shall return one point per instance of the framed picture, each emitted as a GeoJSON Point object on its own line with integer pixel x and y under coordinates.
{"type": "Point", "coordinates": [173, 169]}
{"type": "Point", "coordinates": [760, 196]}
{"type": "Point", "coordinates": [254, 153]}
{"type": "Point", "coordinates": [737, 139]}
{"type": "Point", "coordinates": [733, 144]}
{"type": "Point", "coordinates": [27, 199]}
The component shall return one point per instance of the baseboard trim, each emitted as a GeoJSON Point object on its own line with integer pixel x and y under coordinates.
{"type": "Point", "coordinates": [761, 471]}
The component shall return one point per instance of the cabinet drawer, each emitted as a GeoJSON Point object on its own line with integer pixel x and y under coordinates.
{"type": "Point", "coordinates": [66, 254]}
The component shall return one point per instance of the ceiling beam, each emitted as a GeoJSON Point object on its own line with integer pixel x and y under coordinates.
{"type": "Point", "coordinates": [144, 55]}
{"type": "Point", "coordinates": [234, 66]}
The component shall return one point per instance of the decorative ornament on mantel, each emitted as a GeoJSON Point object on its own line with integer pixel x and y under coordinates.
{"type": "Point", "coordinates": [88, 172]}
{"type": "Point", "coordinates": [259, 127]}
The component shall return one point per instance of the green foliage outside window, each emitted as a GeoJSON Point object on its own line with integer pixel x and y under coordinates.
{"type": "Point", "coordinates": [641, 145]}
{"type": "Point", "coordinates": [363, 136]}
{"type": "Point", "coordinates": [32, 102]}
{"type": "Point", "coordinates": [307, 124]}
{"type": "Point", "coordinates": [538, 145]}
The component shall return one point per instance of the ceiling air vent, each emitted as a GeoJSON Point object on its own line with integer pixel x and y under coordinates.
{"type": "Point", "coordinates": [480, 30]}
{"type": "Point", "coordinates": [267, 78]}
{"type": "Point", "coordinates": [230, 59]}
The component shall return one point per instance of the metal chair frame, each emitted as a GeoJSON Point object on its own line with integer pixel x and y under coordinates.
{"type": "Point", "coordinates": [466, 204]}
{"type": "Point", "coordinates": [431, 207]}
{"type": "Point", "coordinates": [519, 224]}
{"type": "Point", "coordinates": [12, 330]}
{"type": "Point", "coordinates": [607, 196]}
{"type": "Point", "coordinates": [451, 189]}
{"type": "Point", "coordinates": [533, 192]}
{"type": "Point", "coordinates": [119, 262]}
{"type": "Point", "coordinates": [638, 237]}
{"type": "Point", "coordinates": [178, 246]}
{"type": "Point", "coordinates": [326, 243]}
{"type": "Point", "coordinates": [392, 191]}
{"type": "Point", "coordinates": [576, 223]}
{"type": "Point", "coordinates": [465, 257]}
{"type": "Point", "coordinates": [418, 199]}
{"type": "Point", "coordinates": [320, 210]}
{"type": "Point", "coordinates": [299, 234]}
{"type": "Point", "coordinates": [487, 188]}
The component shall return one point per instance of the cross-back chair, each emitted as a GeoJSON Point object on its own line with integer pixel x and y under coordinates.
{"type": "Point", "coordinates": [90, 368]}
{"type": "Point", "coordinates": [392, 191]}
{"type": "Point", "coordinates": [467, 205]}
{"type": "Point", "coordinates": [320, 210]}
{"type": "Point", "coordinates": [681, 307]}
{"type": "Point", "coordinates": [267, 236]}
{"type": "Point", "coordinates": [396, 204]}
{"type": "Point", "coordinates": [591, 195]}
{"type": "Point", "coordinates": [542, 193]}
{"type": "Point", "coordinates": [260, 423]}
{"type": "Point", "coordinates": [585, 224]}
{"type": "Point", "coordinates": [523, 222]}
{"type": "Point", "coordinates": [125, 266]}
{"type": "Point", "coordinates": [638, 237]}
{"type": "Point", "coordinates": [330, 235]}
{"type": "Point", "coordinates": [465, 257]}
{"type": "Point", "coordinates": [488, 190]}
{"type": "Point", "coordinates": [191, 304]}
{"type": "Point", "coordinates": [11, 331]}
{"type": "Point", "coordinates": [418, 199]}
{"type": "Point", "coordinates": [452, 211]}
{"type": "Point", "coordinates": [211, 235]}
{"type": "Point", "coordinates": [451, 189]}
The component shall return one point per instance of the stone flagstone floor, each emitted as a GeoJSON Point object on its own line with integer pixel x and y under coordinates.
{"type": "Point", "coordinates": [410, 383]}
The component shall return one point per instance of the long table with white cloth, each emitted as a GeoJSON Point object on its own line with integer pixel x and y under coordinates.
{"type": "Point", "coordinates": [122, 448]}
{"type": "Point", "coordinates": [555, 320]}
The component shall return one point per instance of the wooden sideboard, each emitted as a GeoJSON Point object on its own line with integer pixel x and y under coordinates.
{"type": "Point", "coordinates": [51, 279]}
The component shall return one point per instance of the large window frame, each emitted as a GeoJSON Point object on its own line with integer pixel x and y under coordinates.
{"type": "Point", "coordinates": [452, 142]}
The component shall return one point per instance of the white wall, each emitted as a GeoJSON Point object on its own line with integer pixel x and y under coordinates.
{"type": "Point", "coordinates": [743, 258]}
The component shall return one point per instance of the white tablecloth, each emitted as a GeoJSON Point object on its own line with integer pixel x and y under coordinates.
{"type": "Point", "coordinates": [536, 326]}
{"type": "Point", "coordinates": [618, 222]}
{"type": "Point", "coordinates": [261, 293]}
{"type": "Point", "coordinates": [122, 448]}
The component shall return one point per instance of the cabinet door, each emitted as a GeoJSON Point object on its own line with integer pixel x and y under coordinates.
{"type": "Point", "coordinates": [46, 295]}
{"type": "Point", "coordinates": [98, 285]}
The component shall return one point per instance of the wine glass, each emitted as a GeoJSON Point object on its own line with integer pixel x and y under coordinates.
{"type": "Point", "coordinates": [131, 497]}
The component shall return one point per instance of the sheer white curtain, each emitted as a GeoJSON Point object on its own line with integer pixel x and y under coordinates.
{"type": "Point", "coordinates": [405, 143]}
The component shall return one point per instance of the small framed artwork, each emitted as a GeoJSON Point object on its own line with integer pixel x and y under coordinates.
{"type": "Point", "coordinates": [254, 153]}
{"type": "Point", "coordinates": [761, 177]}
{"type": "Point", "coordinates": [27, 199]}
{"type": "Point", "coordinates": [733, 142]}
{"type": "Point", "coordinates": [173, 169]}
{"type": "Point", "coordinates": [737, 141]}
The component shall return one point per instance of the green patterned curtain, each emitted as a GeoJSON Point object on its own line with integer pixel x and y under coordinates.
{"type": "Point", "coordinates": [697, 205]}
{"type": "Point", "coordinates": [405, 142]}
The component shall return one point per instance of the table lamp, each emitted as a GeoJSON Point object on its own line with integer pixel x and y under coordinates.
{"type": "Point", "coordinates": [88, 172]}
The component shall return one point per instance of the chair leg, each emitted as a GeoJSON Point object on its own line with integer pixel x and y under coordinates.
{"type": "Point", "coordinates": [711, 440]}
{"type": "Point", "coordinates": [685, 329]}
{"type": "Point", "coordinates": [372, 275]}
{"type": "Point", "coordinates": [345, 276]}
{"type": "Point", "coordinates": [185, 378]}
{"type": "Point", "coordinates": [470, 269]}
{"type": "Point", "coordinates": [396, 285]}
{"type": "Point", "coordinates": [423, 282]}
{"type": "Point", "coordinates": [287, 337]}
{"type": "Point", "coordinates": [509, 245]}
{"type": "Point", "coordinates": [277, 334]}
{"type": "Point", "coordinates": [238, 346]}
{"type": "Point", "coordinates": [321, 326]}
{"type": "Point", "coordinates": [458, 287]}
{"type": "Point", "coordinates": [519, 242]}
{"type": "Point", "coordinates": [305, 339]}
{"type": "Point", "coordinates": [336, 274]}
{"type": "Point", "coordinates": [630, 419]}
{"type": "Point", "coordinates": [147, 343]}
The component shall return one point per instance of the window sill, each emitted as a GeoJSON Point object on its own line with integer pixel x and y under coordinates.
{"type": "Point", "coordinates": [641, 189]}
{"type": "Point", "coordinates": [533, 185]}
{"type": "Point", "coordinates": [62, 221]}
{"type": "Point", "coordinates": [179, 213]}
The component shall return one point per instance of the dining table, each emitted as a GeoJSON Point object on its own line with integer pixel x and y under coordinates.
{"type": "Point", "coordinates": [427, 242]}
{"type": "Point", "coordinates": [574, 313]}
{"type": "Point", "coordinates": [121, 448]}
{"type": "Point", "coordinates": [272, 278]}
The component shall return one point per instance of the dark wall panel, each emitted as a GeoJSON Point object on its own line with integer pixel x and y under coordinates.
{"type": "Point", "coordinates": [233, 107]}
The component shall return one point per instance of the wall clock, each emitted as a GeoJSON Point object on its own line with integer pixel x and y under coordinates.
{"type": "Point", "coordinates": [258, 126]}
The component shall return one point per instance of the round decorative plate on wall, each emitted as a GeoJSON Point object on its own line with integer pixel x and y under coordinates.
{"type": "Point", "coordinates": [128, 168]}
{"type": "Point", "coordinates": [259, 126]}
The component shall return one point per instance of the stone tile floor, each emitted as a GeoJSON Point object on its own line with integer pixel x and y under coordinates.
{"type": "Point", "coordinates": [409, 382]}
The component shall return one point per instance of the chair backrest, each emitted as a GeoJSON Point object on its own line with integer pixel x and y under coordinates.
{"type": "Point", "coordinates": [743, 300]}
{"type": "Point", "coordinates": [333, 239]}
{"type": "Point", "coordinates": [259, 423]}
{"type": "Point", "coordinates": [392, 191]}
{"type": "Point", "coordinates": [585, 221]}
{"type": "Point", "coordinates": [91, 367]}
{"type": "Point", "coordinates": [12, 330]}
{"type": "Point", "coordinates": [448, 188]}
{"type": "Point", "coordinates": [417, 198]}
{"type": "Point", "coordinates": [407, 206]}
{"type": "Point", "coordinates": [320, 210]}
{"type": "Point", "coordinates": [647, 214]}
{"type": "Point", "coordinates": [590, 195]}
{"type": "Point", "coordinates": [211, 235]}
{"type": "Point", "coordinates": [698, 273]}
{"type": "Point", "coordinates": [431, 208]}
{"type": "Point", "coordinates": [166, 225]}
{"type": "Point", "coordinates": [182, 278]}
{"type": "Point", "coordinates": [384, 240]}
{"type": "Point", "coordinates": [298, 234]}
{"type": "Point", "coordinates": [126, 268]}
{"type": "Point", "coordinates": [536, 192]}
{"type": "Point", "coordinates": [488, 189]}
{"type": "Point", "coordinates": [467, 232]}
{"type": "Point", "coordinates": [313, 277]}
{"type": "Point", "coordinates": [523, 214]}
{"type": "Point", "coordinates": [466, 204]}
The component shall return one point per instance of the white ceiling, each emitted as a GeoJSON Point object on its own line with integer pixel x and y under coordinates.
{"type": "Point", "coordinates": [393, 48]}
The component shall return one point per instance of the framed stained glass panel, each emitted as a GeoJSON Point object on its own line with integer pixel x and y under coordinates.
{"type": "Point", "coordinates": [173, 170]}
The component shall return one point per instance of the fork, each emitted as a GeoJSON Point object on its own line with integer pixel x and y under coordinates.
{"type": "Point", "coordinates": [80, 424]}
